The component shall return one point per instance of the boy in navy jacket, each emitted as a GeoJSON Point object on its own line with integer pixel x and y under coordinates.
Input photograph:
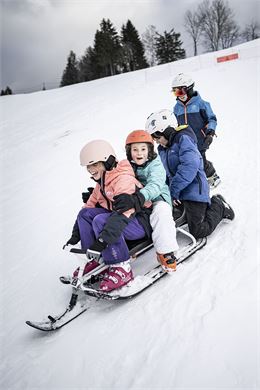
{"type": "Point", "coordinates": [191, 109]}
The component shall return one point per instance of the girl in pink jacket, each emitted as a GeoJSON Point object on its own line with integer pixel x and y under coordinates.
{"type": "Point", "coordinates": [103, 230]}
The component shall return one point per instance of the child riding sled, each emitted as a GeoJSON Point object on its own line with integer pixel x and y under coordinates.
{"type": "Point", "coordinates": [150, 172]}
{"type": "Point", "coordinates": [102, 230]}
{"type": "Point", "coordinates": [186, 176]}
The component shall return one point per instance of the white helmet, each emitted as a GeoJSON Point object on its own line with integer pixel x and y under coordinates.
{"type": "Point", "coordinates": [94, 151]}
{"type": "Point", "coordinates": [182, 80]}
{"type": "Point", "coordinates": [160, 120]}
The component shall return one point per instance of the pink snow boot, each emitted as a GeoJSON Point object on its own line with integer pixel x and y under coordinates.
{"type": "Point", "coordinates": [116, 277]}
{"type": "Point", "coordinates": [88, 268]}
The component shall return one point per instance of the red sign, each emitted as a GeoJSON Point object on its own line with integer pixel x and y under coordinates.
{"type": "Point", "coordinates": [228, 57]}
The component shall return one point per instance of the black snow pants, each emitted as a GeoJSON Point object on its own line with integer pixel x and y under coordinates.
{"type": "Point", "coordinates": [202, 218]}
{"type": "Point", "coordinates": [208, 166]}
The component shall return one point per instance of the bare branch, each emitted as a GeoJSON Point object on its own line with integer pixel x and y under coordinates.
{"type": "Point", "coordinates": [217, 23]}
{"type": "Point", "coordinates": [193, 28]}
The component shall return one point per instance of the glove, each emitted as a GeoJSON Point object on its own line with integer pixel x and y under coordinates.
{"type": "Point", "coordinates": [176, 202]}
{"type": "Point", "coordinates": [124, 202]}
{"type": "Point", "coordinates": [74, 239]}
{"type": "Point", "coordinates": [208, 139]}
{"type": "Point", "coordinates": [86, 195]}
{"type": "Point", "coordinates": [75, 236]}
{"type": "Point", "coordinates": [94, 251]}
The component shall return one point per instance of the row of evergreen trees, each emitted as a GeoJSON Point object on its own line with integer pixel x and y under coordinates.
{"type": "Point", "coordinates": [6, 91]}
{"type": "Point", "coordinates": [113, 53]}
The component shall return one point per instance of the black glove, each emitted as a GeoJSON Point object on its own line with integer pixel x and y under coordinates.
{"type": "Point", "coordinates": [94, 251]}
{"type": "Point", "coordinates": [208, 139]}
{"type": "Point", "coordinates": [75, 236]}
{"type": "Point", "coordinates": [74, 239]}
{"type": "Point", "coordinates": [176, 202]}
{"type": "Point", "coordinates": [124, 202]}
{"type": "Point", "coordinates": [86, 195]}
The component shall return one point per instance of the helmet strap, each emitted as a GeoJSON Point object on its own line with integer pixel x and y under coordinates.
{"type": "Point", "coordinates": [110, 163]}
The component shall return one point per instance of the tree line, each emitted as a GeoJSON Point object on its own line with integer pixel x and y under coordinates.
{"type": "Point", "coordinates": [6, 91]}
{"type": "Point", "coordinates": [113, 53]}
{"type": "Point", "coordinates": [212, 25]}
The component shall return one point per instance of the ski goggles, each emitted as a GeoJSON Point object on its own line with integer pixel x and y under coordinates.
{"type": "Point", "coordinates": [157, 135]}
{"type": "Point", "coordinates": [179, 91]}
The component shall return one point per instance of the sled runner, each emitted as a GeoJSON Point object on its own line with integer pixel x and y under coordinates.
{"type": "Point", "coordinates": [146, 274]}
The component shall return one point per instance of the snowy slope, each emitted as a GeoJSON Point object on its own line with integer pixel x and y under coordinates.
{"type": "Point", "coordinates": [198, 328]}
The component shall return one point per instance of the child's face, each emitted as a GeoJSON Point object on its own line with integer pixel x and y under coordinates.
{"type": "Point", "coordinates": [96, 170]}
{"type": "Point", "coordinates": [161, 140]}
{"type": "Point", "coordinates": [183, 98]}
{"type": "Point", "coordinates": [139, 152]}
{"type": "Point", "coordinates": [181, 93]}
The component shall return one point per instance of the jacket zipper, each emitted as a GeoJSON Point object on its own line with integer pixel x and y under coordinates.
{"type": "Point", "coordinates": [185, 113]}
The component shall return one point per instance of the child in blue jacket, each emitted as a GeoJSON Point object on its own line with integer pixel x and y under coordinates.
{"type": "Point", "coordinates": [186, 176]}
{"type": "Point", "coordinates": [192, 110]}
{"type": "Point", "coordinates": [150, 172]}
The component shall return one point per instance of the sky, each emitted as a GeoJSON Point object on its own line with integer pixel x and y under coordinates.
{"type": "Point", "coordinates": [37, 35]}
{"type": "Point", "coordinates": [197, 329]}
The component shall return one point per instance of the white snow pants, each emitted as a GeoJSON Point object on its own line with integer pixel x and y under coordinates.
{"type": "Point", "coordinates": [164, 231]}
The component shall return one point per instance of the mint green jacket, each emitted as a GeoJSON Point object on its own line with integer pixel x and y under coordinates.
{"type": "Point", "coordinates": [153, 178]}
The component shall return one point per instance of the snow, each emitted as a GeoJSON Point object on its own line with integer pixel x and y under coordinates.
{"type": "Point", "coordinates": [196, 329]}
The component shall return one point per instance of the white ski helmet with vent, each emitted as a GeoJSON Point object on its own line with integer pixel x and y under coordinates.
{"type": "Point", "coordinates": [182, 80]}
{"type": "Point", "coordinates": [160, 120]}
{"type": "Point", "coordinates": [94, 151]}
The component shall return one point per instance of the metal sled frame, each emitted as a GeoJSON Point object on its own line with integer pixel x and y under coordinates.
{"type": "Point", "coordinates": [83, 284]}
{"type": "Point", "coordinates": [136, 248]}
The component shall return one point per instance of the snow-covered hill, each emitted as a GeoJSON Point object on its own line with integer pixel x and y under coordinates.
{"type": "Point", "coordinates": [196, 329]}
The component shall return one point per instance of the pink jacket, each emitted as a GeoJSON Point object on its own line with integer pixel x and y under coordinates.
{"type": "Point", "coordinates": [117, 181]}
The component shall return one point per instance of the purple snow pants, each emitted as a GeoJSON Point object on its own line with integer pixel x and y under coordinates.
{"type": "Point", "coordinates": [91, 222]}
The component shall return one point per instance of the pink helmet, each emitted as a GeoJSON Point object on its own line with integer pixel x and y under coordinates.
{"type": "Point", "coordinates": [94, 151]}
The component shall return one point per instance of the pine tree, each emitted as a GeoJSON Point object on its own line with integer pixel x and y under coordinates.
{"type": "Point", "coordinates": [87, 66]}
{"type": "Point", "coordinates": [133, 48]}
{"type": "Point", "coordinates": [71, 73]}
{"type": "Point", "coordinates": [7, 91]}
{"type": "Point", "coordinates": [168, 47]}
{"type": "Point", "coordinates": [107, 50]}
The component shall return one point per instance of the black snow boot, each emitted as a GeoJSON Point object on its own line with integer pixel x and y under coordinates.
{"type": "Point", "coordinates": [228, 211]}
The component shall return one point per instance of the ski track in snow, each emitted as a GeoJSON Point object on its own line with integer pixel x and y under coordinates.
{"type": "Point", "coordinates": [195, 329]}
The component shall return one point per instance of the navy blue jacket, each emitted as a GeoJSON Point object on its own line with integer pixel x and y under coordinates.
{"type": "Point", "coordinates": [184, 166]}
{"type": "Point", "coordinates": [198, 114]}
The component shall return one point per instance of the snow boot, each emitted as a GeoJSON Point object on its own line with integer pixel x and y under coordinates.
{"type": "Point", "coordinates": [167, 261]}
{"type": "Point", "coordinates": [214, 180]}
{"type": "Point", "coordinates": [228, 211]}
{"type": "Point", "coordinates": [88, 268]}
{"type": "Point", "coordinates": [117, 276]}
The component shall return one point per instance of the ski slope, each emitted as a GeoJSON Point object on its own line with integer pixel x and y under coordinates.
{"type": "Point", "coordinates": [196, 329]}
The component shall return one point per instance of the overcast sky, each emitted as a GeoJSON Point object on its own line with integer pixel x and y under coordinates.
{"type": "Point", "coordinates": [37, 35]}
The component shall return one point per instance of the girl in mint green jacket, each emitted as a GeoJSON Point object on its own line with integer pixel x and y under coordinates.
{"type": "Point", "coordinates": [150, 171]}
